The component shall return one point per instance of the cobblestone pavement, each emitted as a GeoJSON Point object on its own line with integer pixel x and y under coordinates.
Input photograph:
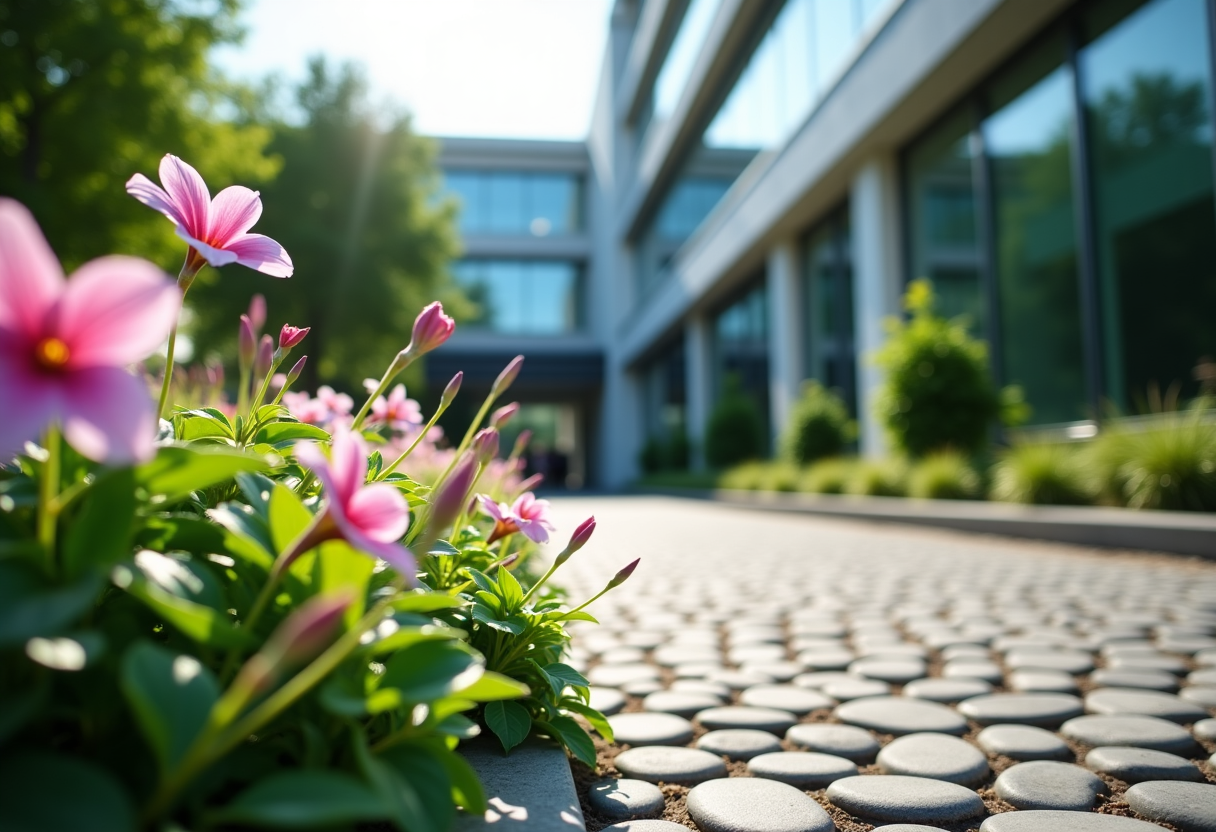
{"type": "Point", "coordinates": [776, 673]}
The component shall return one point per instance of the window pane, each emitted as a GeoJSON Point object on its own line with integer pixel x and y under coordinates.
{"type": "Point", "coordinates": [507, 279]}
{"type": "Point", "coordinates": [741, 347]}
{"type": "Point", "coordinates": [1029, 142]}
{"type": "Point", "coordinates": [469, 189]}
{"type": "Point", "coordinates": [528, 297]}
{"type": "Point", "coordinates": [942, 212]}
{"type": "Point", "coordinates": [1146, 83]}
{"type": "Point", "coordinates": [552, 204]}
{"type": "Point", "coordinates": [829, 307]}
{"type": "Point", "coordinates": [471, 275]}
{"type": "Point", "coordinates": [551, 298]}
{"type": "Point", "coordinates": [835, 30]}
{"type": "Point", "coordinates": [506, 203]}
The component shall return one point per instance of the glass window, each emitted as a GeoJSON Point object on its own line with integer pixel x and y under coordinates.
{"type": "Point", "coordinates": [517, 202]}
{"type": "Point", "coordinates": [553, 202]}
{"type": "Point", "coordinates": [505, 201]}
{"type": "Point", "coordinates": [468, 189]}
{"type": "Point", "coordinates": [943, 221]}
{"type": "Point", "coordinates": [523, 297]}
{"type": "Point", "coordinates": [830, 350]}
{"type": "Point", "coordinates": [1029, 142]}
{"type": "Point", "coordinates": [1146, 81]}
{"type": "Point", "coordinates": [741, 346]}
{"type": "Point", "coordinates": [685, 47]}
{"type": "Point", "coordinates": [665, 394]}
{"type": "Point", "coordinates": [836, 30]}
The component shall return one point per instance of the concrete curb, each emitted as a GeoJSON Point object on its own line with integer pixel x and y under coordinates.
{"type": "Point", "coordinates": [530, 790]}
{"type": "Point", "coordinates": [1175, 532]}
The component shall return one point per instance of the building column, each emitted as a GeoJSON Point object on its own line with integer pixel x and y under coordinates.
{"type": "Point", "coordinates": [697, 385]}
{"type": "Point", "coordinates": [620, 427]}
{"type": "Point", "coordinates": [785, 336]}
{"type": "Point", "coordinates": [877, 282]}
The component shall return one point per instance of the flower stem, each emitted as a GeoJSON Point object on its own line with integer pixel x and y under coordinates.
{"type": "Point", "coordinates": [184, 278]}
{"type": "Point", "coordinates": [468, 437]}
{"type": "Point", "coordinates": [421, 435]}
{"type": "Point", "coordinates": [48, 488]}
{"type": "Point", "coordinates": [399, 363]}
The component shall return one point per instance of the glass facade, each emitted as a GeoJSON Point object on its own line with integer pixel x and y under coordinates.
{"type": "Point", "coordinates": [828, 314]}
{"type": "Point", "coordinates": [517, 202]}
{"type": "Point", "coordinates": [1067, 207]}
{"type": "Point", "coordinates": [521, 297]}
{"type": "Point", "coordinates": [681, 57]}
{"type": "Point", "coordinates": [740, 347]}
{"type": "Point", "coordinates": [665, 395]}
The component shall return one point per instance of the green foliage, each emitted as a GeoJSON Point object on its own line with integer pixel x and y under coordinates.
{"type": "Point", "coordinates": [944, 475]}
{"type": "Point", "coordinates": [761, 476]}
{"type": "Point", "coordinates": [1044, 474]}
{"type": "Point", "coordinates": [735, 432]}
{"type": "Point", "coordinates": [357, 209]}
{"type": "Point", "coordinates": [1167, 463]}
{"type": "Point", "coordinates": [828, 476]}
{"type": "Point", "coordinates": [819, 426]}
{"type": "Point", "coordinates": [667, 453]}
{"type": "Point", "coordinates": [878, 478]}
{"type": "Point", "coordinates": [938, 391]}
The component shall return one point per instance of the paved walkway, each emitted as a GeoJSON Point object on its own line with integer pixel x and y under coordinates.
{"type": "Point", "coordinates": [776, 673]}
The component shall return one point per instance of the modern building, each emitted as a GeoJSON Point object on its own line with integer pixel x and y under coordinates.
{"type": "Point", "coordinates": [763, 177]}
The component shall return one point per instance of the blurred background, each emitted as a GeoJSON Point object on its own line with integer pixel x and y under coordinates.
{"type": "Point", "coordinates": [681, 211]}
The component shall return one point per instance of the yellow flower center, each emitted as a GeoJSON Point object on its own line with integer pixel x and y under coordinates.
{"type": "Point", "coordinates": [52, 353]}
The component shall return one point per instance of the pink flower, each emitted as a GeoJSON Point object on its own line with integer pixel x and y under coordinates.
{"type": "Point", "coordinates": [398, 412]}
{"type": "Point", "coordinates": [290, 336]}
{"type": "Point", "coordinates": [500, 417]}
{"type": "Point", "coordinates": [338, 404]}
{"type": "Point", "coordinates": [64, 344]}
{"type": "Point", "coordinates": [257, 313]}
{"type": "Point", "coordinates": [431, 329]}
{"type": "Point", "coordinates": [216, 229]}
{"type": "Point", "coordinates": [372, 518]}
{"type": "Point", "coordinates": [528, 515]}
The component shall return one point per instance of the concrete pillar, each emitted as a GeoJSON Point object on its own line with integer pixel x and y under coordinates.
{"type": "Point", "coordinates": [698, 384]}
{"type": "Point", "coordinates": [785, 335]}
{"type": "Point", "coordinates": [621, 432]}
{"type": "Point", "coordinates": [877, 282]}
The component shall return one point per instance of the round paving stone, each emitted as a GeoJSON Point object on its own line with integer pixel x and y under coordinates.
{"type": "Point", "coordinates": [1143, 702]}
{"type": "Point", "coordinates": [679, 703]}
{"type": "Point", "coordinates": [804, 769]}
{"type": "Point", "coordinates": [1141, 679]}
{"type": "Point", "coordinates": [739, 680]}
{"type": "Point", "coordinates": [946, 690]}
{"type": "Point", "coordinates": [1135, 731]}
{"type": "Point", "coordinates": [1159, 661]}
{"type": "Point", "coordinates": [716, 689]}
{"type": "Point", "coordinates": [901, 715]}
{"type": "Point", "coordinates": [789, 698]}
{"type": "Point", "coordinates": [651, 729]}
{"type": "Point", "coordinates": [607, 701]}
{"type": "Point", "coordinates": [855, 688]}
{"type": "Point", "coordinates": [683, 766]}
{"type": "Point", "coordinates": [1136, 765]}
{"type": "Point", "coordinates": [622, 799]}
{"type": "Point", "coordinates": [1055, 821]}
{"type": "Point", "coordinates": [734, 716]}
{"type": "Point", "coordinates": [1206, 676]}
{"type": "Point", "coordinates": [1042, 681]}
{"type": "Point", "coordinates": [752, 804]}
{"type": "Point", "coordinates": [826, 659]}
{"type": "Point", "coordinates": [938, 756]}
{"type": "Point", "coordinates": [840, 740]}
{"type": "Point", "coordinates": [1066, 661]}
{"type": "Point", "coordinates": [642, 687]}
{"type": "Point", "coordinates": [816, 681]}
{"type": "Point", "coordinates": [1205, 729]}
{"type": "Point", "coordinates": [971, 669]}
{"type": "Point", "coordinates": [1202, 695]}
{"type": "Point", "coordinates": [739, 743]}
{"type": "Point", "coordinates": [1045, 784]}
{"type": "Point", "coordinates": [907, 827]}
{"type": "Point", "coordinates": [645, 826]}
{"type": "Point", "coordinates": [896, 671]}
{"type": "Point", "coordinates": [1023, 742]}
{"type": "Point", "coordinates": [1189, 806]}
{"type": "Point", "coordinates": [779, 671]}
{"type": "Point", "coordinates": [615, 675]}
{"type": "Point", "coordinates": [899, 798]}
{"type": "Point", "coordinates": [1044, 709]}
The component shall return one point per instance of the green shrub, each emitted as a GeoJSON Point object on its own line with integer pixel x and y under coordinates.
{"type": "Point", "coordinates": [819, 426]}
{"type": "Point", "coordinates": [745, 477]}
{"type": "Point", "coordinates": [944, 475]}
{"type": "Point", "coordinates": [938, 391]}
{"type": "Point", "coordinates": [879, 478]}
{"type": "Point", "coordinates": [827, 476]}
{"type": "Point", "coordinates": [735, 432]}
{"type": "Point", "coordinates": [1044, 474]}
{"type": "Point", "coordinates": [1169, 465]}
{"type": "Point", "coordinates": [651, 457]}
{"type": "Point", "coordinates": [761, 476]}
{"type": "Point", "coordinates": [669, 453]}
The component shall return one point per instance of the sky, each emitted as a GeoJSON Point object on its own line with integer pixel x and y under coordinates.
{"type": "Point", "coordinates": [504, 68]}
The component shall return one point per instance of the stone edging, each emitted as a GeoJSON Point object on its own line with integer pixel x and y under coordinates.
{"type": "Point", "coordinates": [530, 790]}
{"type": "Point", "coordinates": [1175, 532]}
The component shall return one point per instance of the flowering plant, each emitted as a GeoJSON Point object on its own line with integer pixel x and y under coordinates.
{"type": "Point", "coordinates": [283, 613]}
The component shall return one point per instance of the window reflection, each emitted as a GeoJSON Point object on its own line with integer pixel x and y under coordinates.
{"type": "Point", "coordinates": [828, 316]}
{"type": "Point", "coordinates": [523, 297]}
{"type": "Point", "coordinates": [517, 203]}
{"type": "Point", "coordinates": [740, 347]}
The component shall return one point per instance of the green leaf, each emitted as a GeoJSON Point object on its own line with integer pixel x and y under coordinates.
{"type": "Point", "coordinates": [509, 589]}
{"type": "Point", "coordinates": [560, 676]}
{"type": "Point", "coordinates": [201, 424]}
{"type": "Point", "coordinates": [570, 734]}
{"type": "Point", "coordinates": [406, 636]}
{"type": "Point", "coordinates": [396, 793]}
{"type": "Point", "coordinates": [458, 726]}
{"type": "Point", "coordinates": [177, 471]}
{"type": "Point", "coordinates": [287, 517]}
{"type": "Point", "coordinates": [196, 621]}
{"type": "Point", "coordinates": [573, 616]}
{"type": "Point", "coordinates": [256, 489]}
{"type": "Point", "coordinates": [18, 707]}
{"type": "Point", "coordinates": [100, 534]}
{"type": "Point", "coordinates": [337, 566]}
{"type": "Point", "coordinates": [246, 536]}
{"type": "Point", "coordinates": [484, 582]}
{"type": "Point", "coordinates": [285, 434]}
{"type": "Point", "coordinates": [442, 547]}
{"type": "Point", "coordinates": [303, 800]}
{"type": "Point", "coordinates": [493, 686]}
{"type": "Point", "coordinates": [597, 719]}
{"type": "Point", "coordinates": [44, 791]}
{"type": "Point", "coordinates": [466, 785]}
{"type": "Point", "coordinates": [418, 766]}
{"type": "Point", "coordinates": [171, 696]}
{"type": "Point", "coordinates": [509, 721]}
{"type": "Point", "coordinates": [427, 602]}
{"type": "Point", "coordinates": [490, 618]}
{"type": "Point", "coordinates": [431, 669]}
{"type": "Point", "coordinates": [30, 606]}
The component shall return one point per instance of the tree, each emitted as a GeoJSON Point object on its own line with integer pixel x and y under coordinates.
{"type": "Point", "coordinates": [356, 207]}
{"type": "Point", "coordinates": [92, 91]}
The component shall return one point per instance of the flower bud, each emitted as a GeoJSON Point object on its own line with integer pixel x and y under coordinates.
{"type": "Point", "coordinates": [508, 561]}
{"type": "Point", "coordinates": [449, 392]}
{"type": "Point", "coordinates": [485, 445]}
{"type": "Point", "coordinates": [257, 313]}
{"type": "Point", "coordinates": [530, 483]}
{"type": "Point", "coordinates": [508, 375]}
{"type": "Point", "coordinates": [500, 417]}
{"type": "Point", "coordinates": [431, 329]}
{"type": "Point", "coordinates": [289, 336]}
{"type": "Point", "coordinates": [308, 630]}
{"type": "Point", "coordinates": [294, 372]}
{"type": "Point", "coordinates": [450, 497]}
{"type": "Point", "coordinates": [622, 576]}
{"type": "Point", "coordinates": [265, 357]}
{"type": "Point", "coordinates": [246, 343]}
{"type": "Point", "coordinates": [577, 541]}
{"type": "Point", "coordinates": [521, 442]}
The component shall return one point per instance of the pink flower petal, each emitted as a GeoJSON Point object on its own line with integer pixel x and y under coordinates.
{"type": "Point", "coordinates": [233, 212]}
{"type": "Point", "coordinates": [188, 192]}
{"type": "Point", "coordinates": [32, 400]}
{"type": "Point", "coordinates": [262, 254]}
{"type": "Point", "coordinates": [395, 554]}
{"type": "Point", "coordinates": [348, 466]}
{"type": "Point", "coordinates": [380, 512]}
{"type": "Point", "coordinates": [215, 256]}
{"type": "Point", "coordinates": [154, 196]}
{"type": "Point", "coordinates": [493, 509]}
{"type": "Point", "coordinates": [30, 276]}
{"type": "Point", "coordinates": [116, 310]}
{"type": "Point", "coordinates": [108, 415]}
{"type": "Point", "coordinates": [533, 530]}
